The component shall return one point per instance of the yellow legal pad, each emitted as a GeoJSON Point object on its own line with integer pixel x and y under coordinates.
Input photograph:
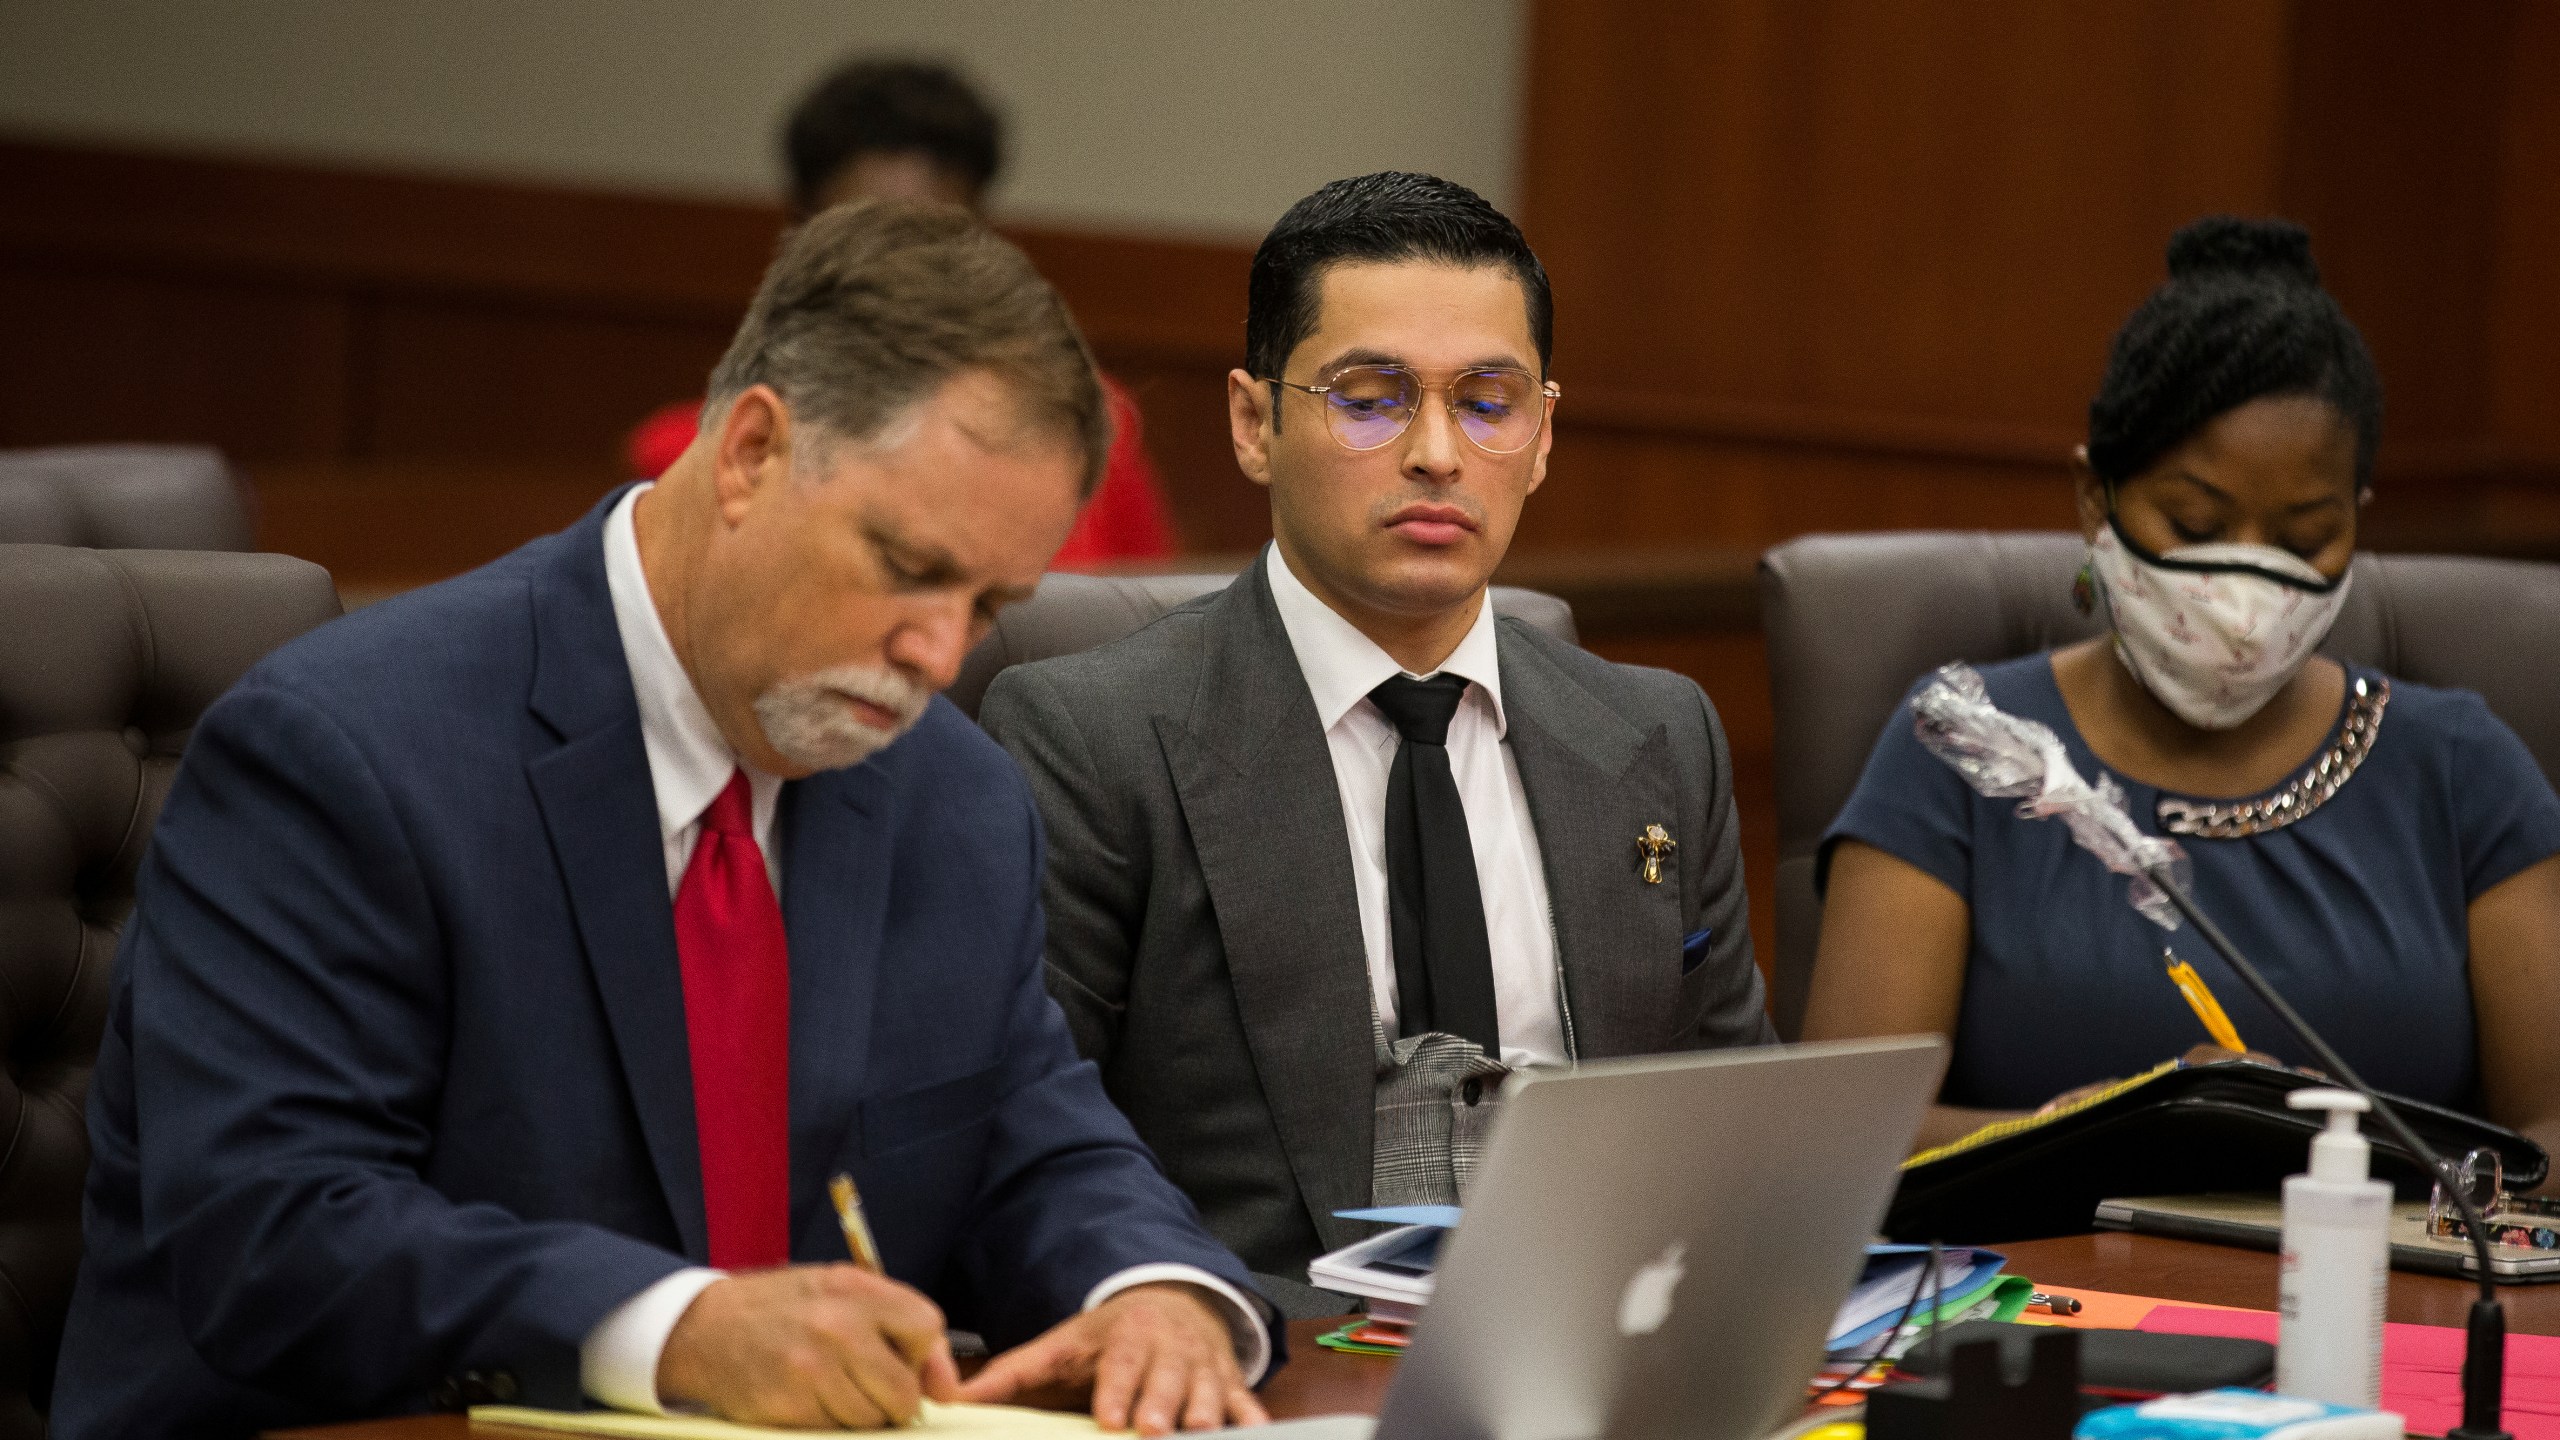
{"type": "Point", "coordinates": [969, 1422]}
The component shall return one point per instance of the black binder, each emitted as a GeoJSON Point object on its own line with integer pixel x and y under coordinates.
{"type": "Point", "coordinates": [2178, 1130]}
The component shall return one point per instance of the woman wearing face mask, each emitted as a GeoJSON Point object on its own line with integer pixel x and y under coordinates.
{"type": "Point", "coordinates": [2387, 852]}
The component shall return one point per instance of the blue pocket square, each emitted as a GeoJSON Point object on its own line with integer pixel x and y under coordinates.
{"type": "Point", "coordinates": [1693, 949]}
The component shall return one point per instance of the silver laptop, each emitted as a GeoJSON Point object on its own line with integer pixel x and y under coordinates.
{"type": "Point", "coordinates": [1655, 1248]}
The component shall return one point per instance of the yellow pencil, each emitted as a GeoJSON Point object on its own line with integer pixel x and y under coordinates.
{"type": "Point", "coordinates": [857, 1232]}
{"type": "Point", "coordinates": [2200, 999]}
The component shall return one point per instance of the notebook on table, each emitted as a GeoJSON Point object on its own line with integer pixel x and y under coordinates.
{"type": "Point", "coordinates": [2256, 1222]}
{"type": "Point", "coordinates": [953, 1422]}
{"type": "Point", "coordinates": [2176, 1130]}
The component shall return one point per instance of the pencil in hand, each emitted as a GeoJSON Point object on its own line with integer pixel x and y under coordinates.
{"type": "Point", "coordinates": [857, 1232]}
{"type": "Point", "coordinates": [2200, 998]}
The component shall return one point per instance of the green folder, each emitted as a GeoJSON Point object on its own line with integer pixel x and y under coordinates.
{"type": "Point", "coordinates": [2003, 1297]}
{"type": "Point", "coordinates": [1341, 1340]}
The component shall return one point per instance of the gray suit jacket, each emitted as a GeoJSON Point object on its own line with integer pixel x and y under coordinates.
{"type": "Point", "coordinates": [1204, 933]}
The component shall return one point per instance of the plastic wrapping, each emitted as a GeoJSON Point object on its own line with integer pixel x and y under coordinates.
{"type": "Point", "coordinates": [2005, 756]}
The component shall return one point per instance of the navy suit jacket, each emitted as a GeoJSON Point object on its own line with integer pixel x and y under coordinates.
{"type": "Point", "coordinates": [394, 1086]}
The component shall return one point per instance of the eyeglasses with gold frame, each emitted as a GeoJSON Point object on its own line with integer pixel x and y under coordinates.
{"type": "Point", "coordinates": [1500, 410]}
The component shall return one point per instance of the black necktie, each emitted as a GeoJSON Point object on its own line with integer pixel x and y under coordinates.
{"type": "Point", "coordinates": [1444, 962]}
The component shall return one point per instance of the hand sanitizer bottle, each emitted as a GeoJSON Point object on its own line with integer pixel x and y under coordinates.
{"type": "Point", "coordinates": [2337, 1263]}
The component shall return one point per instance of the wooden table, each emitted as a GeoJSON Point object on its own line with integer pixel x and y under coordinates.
{"type": "Point", "coordinates": [1319, 1381]}
{"type": "Point", "coordinates": [2219, 1275]}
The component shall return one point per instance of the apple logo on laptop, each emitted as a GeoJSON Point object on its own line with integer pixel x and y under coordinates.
{"type": "Point", "coordinates": [1647, 1302]}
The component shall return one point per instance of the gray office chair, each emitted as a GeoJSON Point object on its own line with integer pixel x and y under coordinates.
{"type": "Point", "coordinates": [1852, 620]}
{"type": "Point", "coordinates": [123, 497]}
{"type": "Point", "coordinates": [1075, 613]}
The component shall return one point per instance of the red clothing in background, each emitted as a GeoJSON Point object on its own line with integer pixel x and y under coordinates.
{"type": "Point", "coordinates": [1124, 520]}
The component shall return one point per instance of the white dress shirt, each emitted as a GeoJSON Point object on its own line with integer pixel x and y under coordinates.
{"type": "Point", "coordinates": [1342, 666]}
{"type": "Point", "coordinates": [689, 765]}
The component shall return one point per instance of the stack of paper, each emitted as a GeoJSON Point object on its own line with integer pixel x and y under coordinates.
{"type": "Point", "coordinates": [1392, 1271]}
{"type": "Point", "coordinates": [948, 1422]}
{"type": "Point", "coordinates": [1970, 1286]}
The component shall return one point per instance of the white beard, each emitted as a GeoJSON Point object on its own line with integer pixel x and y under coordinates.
{"type": "Point", "coordinates": [808, 723]}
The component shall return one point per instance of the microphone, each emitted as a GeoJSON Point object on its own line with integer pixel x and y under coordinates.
{"type": "Point", "coordinates": [2484, 1346]}
{"type": "Point", "coordinates": [2003, 755]}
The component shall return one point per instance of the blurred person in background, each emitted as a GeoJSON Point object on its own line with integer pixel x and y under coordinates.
{"type": "Point", "coordinates": [911, 130]}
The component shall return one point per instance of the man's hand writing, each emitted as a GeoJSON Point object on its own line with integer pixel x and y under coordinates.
{"type": "Point", "coordinates": [1158, 1356]}
{"type": "Point", "coordinates": [815, 1346]}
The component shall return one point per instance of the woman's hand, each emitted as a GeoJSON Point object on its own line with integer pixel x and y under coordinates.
{"type": "Point", "coordinates": [2216, 1054]}
{"type": "Point", "coordinates": [2075, 1095]}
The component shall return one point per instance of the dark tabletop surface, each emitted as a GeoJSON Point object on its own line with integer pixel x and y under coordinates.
{"type": "Point", "coordinates": [1320, 1382]}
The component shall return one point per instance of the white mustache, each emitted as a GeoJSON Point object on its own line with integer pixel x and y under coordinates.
{"type": "Point", "coordinates": [807, 723]}
{"type": "Point", "coordinates": [879, 685]}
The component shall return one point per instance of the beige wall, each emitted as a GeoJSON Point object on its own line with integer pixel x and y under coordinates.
{"type": "Point", "coordinates": [1179, 116]}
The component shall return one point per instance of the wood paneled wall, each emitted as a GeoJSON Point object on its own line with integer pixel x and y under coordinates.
{"type": "Point", "coordinates": [463, 358]}
{"type": "Point", "coordinates": [2524, 316]}
{"type": "Point", "coordinates": [1819, 265]}
{"type": "Point", "coordinates": [1847, 264]}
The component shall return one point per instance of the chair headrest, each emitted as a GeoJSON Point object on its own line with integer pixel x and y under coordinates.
{"type": "Point", "coordinates": [123, 497]}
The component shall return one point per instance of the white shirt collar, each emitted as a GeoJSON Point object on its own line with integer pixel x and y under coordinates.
{"type": "Point", "coordinates": [1342, 665]}
{"type": "Point", "coordinates": [689, 760]}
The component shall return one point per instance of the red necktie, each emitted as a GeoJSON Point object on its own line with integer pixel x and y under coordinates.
{"type": "Point", "coordinates": [737, 1017]}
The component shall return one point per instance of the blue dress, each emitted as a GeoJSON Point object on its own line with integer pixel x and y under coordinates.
{"type": "Point", "coordinates": [2357, 911]}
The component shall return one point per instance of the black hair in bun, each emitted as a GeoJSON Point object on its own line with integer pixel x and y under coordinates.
{"type": "Point", "coordinates": [2278, 249]}
{"type": "Point", "coordinates": [2241, 317]}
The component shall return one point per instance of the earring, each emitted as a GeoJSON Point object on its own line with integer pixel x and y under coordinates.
{"type": "Point", "coordinates": [2084, 592]}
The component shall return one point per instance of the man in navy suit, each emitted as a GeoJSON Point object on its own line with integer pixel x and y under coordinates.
{"type": "Point", "coordinates": [516, 960]}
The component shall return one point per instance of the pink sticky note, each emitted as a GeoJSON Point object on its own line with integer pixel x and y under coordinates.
{"type": "Point", "coordinates": [2421, 1368]}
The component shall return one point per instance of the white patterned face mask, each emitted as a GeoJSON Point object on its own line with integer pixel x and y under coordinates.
{"type": "Point", "coordinates": [2213, 631]}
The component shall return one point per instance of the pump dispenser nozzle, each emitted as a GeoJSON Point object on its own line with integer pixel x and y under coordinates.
{"type": "Point", "coordinates": [2339, 1154]}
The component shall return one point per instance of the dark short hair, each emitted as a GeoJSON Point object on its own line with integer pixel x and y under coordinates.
{"type": "Point", "coordinates": [1391, 216]}
{"type": "Point", "coordinates": [870, 307]}
{"type": "Point", "coordinates": [875, 106]}
{"type": "Point", "coordinates": [2241, 317]}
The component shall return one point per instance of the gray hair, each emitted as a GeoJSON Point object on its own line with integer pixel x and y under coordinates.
{"type": "Point", "coordinates": [870, 307]}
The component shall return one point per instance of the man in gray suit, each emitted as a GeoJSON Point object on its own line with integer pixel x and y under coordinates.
{"type": "Point", "coordinates": [1336, 849]}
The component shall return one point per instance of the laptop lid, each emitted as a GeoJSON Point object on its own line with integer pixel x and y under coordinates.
{"type": "Point", "coordinates": [1655, 1247]}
